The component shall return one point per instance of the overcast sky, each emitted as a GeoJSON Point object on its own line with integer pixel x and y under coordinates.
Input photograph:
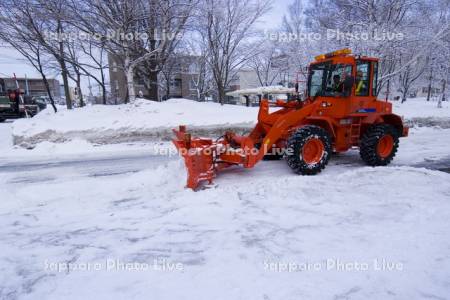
{"type": "Point", "coordinates": [11, 62]}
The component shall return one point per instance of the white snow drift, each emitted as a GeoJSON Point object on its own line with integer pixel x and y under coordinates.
{"type": "Point", "coordinates": [150, 121]}
{"type": "Point", "coordinates": [143, 120]}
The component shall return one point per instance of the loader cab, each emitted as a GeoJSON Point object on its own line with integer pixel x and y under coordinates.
{"type": "Point", "coordinates": [339, 74]}
{"type": "Point", "coordinates": [343, 83]}
{"type": "Point", "coordinates": [327, 79]}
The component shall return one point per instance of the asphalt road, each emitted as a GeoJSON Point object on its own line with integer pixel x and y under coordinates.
{"type": "Point", "coordinates": [36, 171]}
{"type": "Point", "coordinates": [110, 165]}
{"type": "Point", "coordinates": [46, 170]}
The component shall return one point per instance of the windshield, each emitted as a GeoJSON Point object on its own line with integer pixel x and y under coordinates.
{"type": "Point", "coordinates": [328, 80]}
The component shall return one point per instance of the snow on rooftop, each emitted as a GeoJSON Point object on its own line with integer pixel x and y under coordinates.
{"type": "Point", "coordinates": [275, 89]}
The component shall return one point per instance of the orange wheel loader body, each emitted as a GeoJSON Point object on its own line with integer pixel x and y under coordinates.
{"type": "Point", "coordinates": [345, 115]}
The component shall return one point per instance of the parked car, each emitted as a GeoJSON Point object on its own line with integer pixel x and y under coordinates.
{"type": "Point", "coordinates": [41, 102]}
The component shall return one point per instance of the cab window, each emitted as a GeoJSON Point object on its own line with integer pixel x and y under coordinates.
{"type": "Point", "coordinates": [329, 80]}
{"type": "Point", "coordinates": [375, 78]}
{"type": "Point", "coordinates": [336, 77]}
{"type": "Point", "coordinates": [316, 78]}
{"type": "Point", "coordinates": [362, 78]}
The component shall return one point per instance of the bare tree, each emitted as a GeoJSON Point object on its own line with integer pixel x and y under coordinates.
{"type": "Point", "coordinates": [22, 40]}
{"type": "Point", "coordinates": [409, 75]}
{"type": "Point", "coordinates": [53, 15]}
{"type": "Point", "coordinates": [383, 29]}
{"type": "Point", "coordinates": [38, 18]}
{"type": "Point", "coordinates": [172, 66]}
{"type": "Point", "coordinates": [138, 31]}
{"type": "Point", "coordinates": [198, 69]}
{"type": "Point", "coordinates": [201, 77]}
{"type": "Point", "coordinates": [269, 63]}
{"type": "Point", "coordinates": [225, 25]}
{"type": "Point", "coordinates": [97, 63]}
{"type": "Point", "coordinates": [75, 71]}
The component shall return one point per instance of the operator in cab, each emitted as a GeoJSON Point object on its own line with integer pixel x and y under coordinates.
{"type": "Point", "coordinates": [361, 87]}
{"type": "Point", "coordinates": [337, 84]}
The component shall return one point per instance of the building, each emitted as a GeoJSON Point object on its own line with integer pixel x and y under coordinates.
{"type": "Point", "coordinates": [34, 87]}
{"type": "Point", "coordinates": [422, 91]}
{"type": "Point", "coordinates": [178, 80]}
{"type": "Point", "coordinates": [245, 79]}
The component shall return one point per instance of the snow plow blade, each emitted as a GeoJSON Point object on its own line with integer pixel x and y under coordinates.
{"type": "Point", "coordinates": [198, 157]}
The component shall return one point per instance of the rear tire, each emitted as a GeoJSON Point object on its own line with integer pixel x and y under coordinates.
{"type": "Point", "coordinates": [379, 145]}
{"type": "Point", "coordinates": [308, 150]}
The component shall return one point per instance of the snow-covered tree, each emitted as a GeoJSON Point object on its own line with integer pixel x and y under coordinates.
{"type": "Point", "coordinates": [225, 27]}
{"type": "Point", "coordinates": [381, 28]}
{"type": "Point", "coordinates": [136, 31]}
{"type": "Point", "coordinates": [268, 63]}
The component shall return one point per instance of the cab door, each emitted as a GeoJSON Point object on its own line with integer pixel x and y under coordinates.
{"type": "Point", "coordinates": [363, 92]}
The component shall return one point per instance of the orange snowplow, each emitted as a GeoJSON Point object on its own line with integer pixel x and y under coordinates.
{"type": "Point", "coordinates": [340, 112]}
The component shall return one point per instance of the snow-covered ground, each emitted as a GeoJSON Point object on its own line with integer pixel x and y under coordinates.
{"type": "Point", "coordinates": [68, 231]}
{"type": "Point", "coordinates": [147, 121]}
{"type": "Point", "coordinates": [420, 108]}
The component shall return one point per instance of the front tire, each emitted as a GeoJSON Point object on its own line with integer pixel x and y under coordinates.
{"type": "Point", "coordinates": [308, 150]}
{"type": "Point", "coordinates": [379, 145]}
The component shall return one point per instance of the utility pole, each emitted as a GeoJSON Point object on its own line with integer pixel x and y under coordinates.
{"type": "Point", "coordinates": [27, 89]}
{"type": "Point", "coordinates": [90, 86]}
{"type": "Point", "coordinates": [21, 97]}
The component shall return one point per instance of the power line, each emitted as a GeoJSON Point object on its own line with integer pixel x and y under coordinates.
{"type": "Point", "coordinates": [9, 76]}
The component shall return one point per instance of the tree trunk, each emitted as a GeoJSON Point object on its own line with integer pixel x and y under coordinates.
{"type": "Point", "coordinates": [102, 74]}
{"type": "Point", "coordinates": [79, 89]}
{"type": "Point", "coordinates": [126, 97]}
{"type": "Point", "coordinates": [153, 92]}
{"type": "Point", "coordinates": [63, 66]}
{"type": "Point", "coordinates": [129, 73]}
{"type": "Point", "coordinates": [429, 85]}
{"type": "Point", "coordinates": [387, 89]}
{"type": "Point", "coordinates": [130, 85]}
{"type": "Point", "coordinates": [49, 93]}
{"type": "Point", "coordinates": [221, 94]}
{"type": "Point", "coordinates": [66, 84]}
{"type": "Point", "coordinates": [404, 93]}
{"type": "Point", "coordinates": [444, 84]}
{"type": "Point", "coordinates": [167, 88]}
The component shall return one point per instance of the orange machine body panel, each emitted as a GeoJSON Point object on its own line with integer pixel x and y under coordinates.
{"type": "Point", "coordinates": [345, 118]}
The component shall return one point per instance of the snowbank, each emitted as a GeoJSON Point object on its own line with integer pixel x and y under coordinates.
{"type": "Point", "coordinates": [150, 121]}
{"type": "Point", "coordinates": [420, 108]}
{"type": "Point", "coordinates": [143, 120]}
